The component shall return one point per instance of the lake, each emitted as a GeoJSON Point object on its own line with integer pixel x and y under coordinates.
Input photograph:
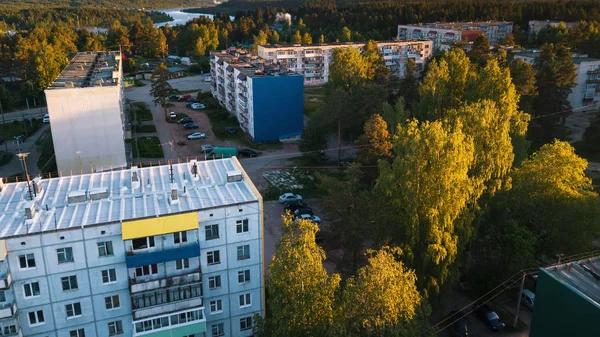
{"type": "Point", "coordinates": [179, 17]}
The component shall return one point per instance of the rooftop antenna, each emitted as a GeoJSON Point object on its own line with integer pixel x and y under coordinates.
{"type": "Point", "coordinates": [79, 158]}
{"type": "Point", "coordinates": [22, 157]}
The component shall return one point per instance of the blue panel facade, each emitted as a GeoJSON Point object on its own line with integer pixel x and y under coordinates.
{"type": "Point", "coordinates": [278, 104]}
{"type": "Point", "coordinates": [145, 259]}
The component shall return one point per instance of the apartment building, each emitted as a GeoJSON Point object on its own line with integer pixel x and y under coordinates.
{"type": "Point", "coordinates": [85, 104]}
{"type": "Point", "coordinates": [267, 101]}
{"type": "Point", "coordinates": [585, 95]}
{"type": "Point", "coordinates": [536, 25]}
{"type": "Point", "coordinates": [158, 251]}
{"type": "Point", "coordinates": [314, 61]}
{"type": "Point", "coordinates": [445, 34]}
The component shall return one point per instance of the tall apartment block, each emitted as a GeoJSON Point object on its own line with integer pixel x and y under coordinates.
{"type": "Point", "coordinates": [314, 61]}
{"type": "Point", "coordinates": [267, 101]}
{"type": "Point", "coordinates": [585, 95]}
{"type": "Point", "coordinates": [85, 104]}
{"type": "Point", "coordinates": [158, 251]}
{"type": "Point", "coordinates": [444, 35]}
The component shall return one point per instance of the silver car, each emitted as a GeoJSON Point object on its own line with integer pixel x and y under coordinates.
{"type": "Point", "coordinates": [197, 135]}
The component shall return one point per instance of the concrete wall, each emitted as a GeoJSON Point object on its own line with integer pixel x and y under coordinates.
{"type": "Point", "coordinates": [88, 120]}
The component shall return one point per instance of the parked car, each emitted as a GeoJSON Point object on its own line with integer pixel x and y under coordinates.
{"type": "Point", "coordinates": [293, 205]}
{"type": "Point", "coordinates": [459, 327]}
{"type": "Point", "coordinates": [247, 153]}
{"type": "Point", "coordinates": [191, 126]}
{"type": "Point", "coordinates": [173, 97]}
{"type": "Point", "coordinates": [172, 115]}
{"type": "Point", "coordinates": [184, 98]}
{"type": "Point", "coordinates": [207, 148]}
{"type": "Point", "coordinates": [230, 130]}
{"type": "Point", "coordinates": [185, 120]}
{"type": "Point", "coordinates": [527, 298]}
{"type": "Point", "coordinates": [485, 313]}
{"type": "Point", "coordinates": [289, 197]}
{"type": "Point", "coordinates": [192, 100]}
{"type": "Point", "coordinates": [197, 106]}
{"type": "Point", "coordinates": [312, 218]}
{"type": "Point", "coordinates": [196, 135]}
{"type": "Point", "coordinates": [46, 119]}
{"type": "Point", "coordinates": [303, 210]}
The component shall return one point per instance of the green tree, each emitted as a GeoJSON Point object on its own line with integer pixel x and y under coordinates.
{"type": "Point", "coordinates": [382, 297]}
{"type": "Point", "coordinates": [523, 77]}
{"type": "Point", "coordinates": [480, 52]}
{"type": "Point", "coordinates": [160, 87]}
{"type": "Point", "coordinates": [345, 35]}
{"type": "Point", "coordinates": [349, 69]}
{"type": "Point", "coordinates": [375, 142]}
{"type": "Point", "coordinates": [49, 62]}
{"type": "Point", "coordinates": [428, 188]}
{"type": "Point", "coordinates": [301, 293]}
{"type": "Point", "coordinates": [393, 115]}
{"type": "Point", "coordinates": [314, 138]}
{"type": "Point", "coordinates": [129, 65]}
{"type": "Point", "coordinates": [591, 136]}
{"type": "Point", "coordinates": [274, 39]}
{"type": "Point", "coordinates": [118, 36]}
{"type": "Point", "coordinates": [409, 87]}
{"type": "Point", "coordinates": [260, 39]}
{"type": "Point", "coordinates": [376, 69]}
{"type": "Point", "coordinates": [322, 39]}
{"type": "Point", "coordinates": [297, 38]}
{"type": "Point", "coordinates": [306, 39]}
{"type": "Point", "coordinates": [508, 40]}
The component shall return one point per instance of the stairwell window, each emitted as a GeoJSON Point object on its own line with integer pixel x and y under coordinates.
{"type": "Point", "coordinates": [211, 232]}
{"type": "Point", "coordinates": [73, 310]}
{"type": "Point", "coordinates": [243, 252]}
{"type": "Point", "coordinates": [26, 261]}
{"type": "Point", "coordinates": [244, 276]}
{"type": "Point", "coordinates": [105, 248]}
{"type": "Point", "coordinates": [64, 255]}
{"type": "Point", "coordinates": [241, 226]}
{"type": "Point", "coordinates": [31, 289]}
{"type": "Point", "coordinates": [214, 282]}
{"type": "Point", "coordinates": [115, 328]}
{"type": "Point", "coordinates": [245, 300]}
{"type": "Point", "coordinates": [216, 306]}
{"type": "Point", "coordinates": [213, 257]}
{"type": "Point", "coordinates": [109, 276]}
{"type": "Point", "coordinates": [69, 282]}
{"type": "Point", "coordinates": [112, 302]}
{"type": "Point", "coordinates": [36, 318]}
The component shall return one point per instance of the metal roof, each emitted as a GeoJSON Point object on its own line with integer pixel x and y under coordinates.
{"type": "Point", "coordinates": [89, 69]}
{"type": "Point", "coordinates": [99, 198]}
{"type": "Point", "coordinates": [582, 275]}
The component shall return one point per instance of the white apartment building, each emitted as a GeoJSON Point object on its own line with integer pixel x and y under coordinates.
{"type": "Point", "coordinates": [536, 25]}
{"type": "Point", "coordinates": [445, 34]}
{"type": "Point", "coordinates": [585, 95]}
{"type": "Point", "coordinates": [154, 252]}
{"type": "Point", "coordinates": [314, 61]}
{"type": "Point", "coordinates": [85, 104]}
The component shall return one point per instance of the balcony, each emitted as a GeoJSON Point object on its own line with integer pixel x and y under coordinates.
{"type": "Point", "coordinates": [594, 71]}
{"type": "Point", "coordinates": [8, 310]}
{"type": "Point", "coordinates": [180, 323]}
{"type": "Point", "coordinates": [243, 98]}
{"type": "Point", "coordinates": [136, 287]}
{"type": "Point", "coordinates": [5, 281]}
{"type": "Point", "coordinates": [166, 300]}
{"type": "Point", "coordinates": [143, 259]}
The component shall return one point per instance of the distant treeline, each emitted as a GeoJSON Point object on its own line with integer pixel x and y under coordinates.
{"type": "Point", "coordinates": [123, 4]}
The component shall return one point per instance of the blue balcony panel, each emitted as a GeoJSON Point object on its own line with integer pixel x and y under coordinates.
{"type": "Point", "coordinates": [143, 259]}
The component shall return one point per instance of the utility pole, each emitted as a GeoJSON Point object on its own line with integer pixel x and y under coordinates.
{"type": "Point", "coordinates": [519, 300]}
{"type": "Point", "coordinates": [22, 157]}
{"type": "Point", "coordinates": [28, 112]}
{"type": "Point", "coordinates": [79, 158]}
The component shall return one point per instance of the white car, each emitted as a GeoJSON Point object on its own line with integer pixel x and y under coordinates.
{"type": "Point", "coordinates": [173, 115]}
{"type": "Point", "coordinates": [309, 217]}
{"type": "Point", "coordinates": [289, 197]}
{"type": "Point", "coordinates": [197, 135]}
{"type": "Point", "coordinates": [46, 119]}
{"type": "Point", "coordinates": [197, 106]}
{"type": "Point", "coordinates": [207, 148]}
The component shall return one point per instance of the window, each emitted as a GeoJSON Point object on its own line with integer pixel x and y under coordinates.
{"type": "Point", "coordinates": [179, 237]}
{"type": "Point", "coordinates": [218, 329]}
{"type": "Point", "coordinates": [36, 317]}
{"type": "Point", "coordinates": [181, 264]}
{"type": "Point", "coordinates": [64, 255]}
{"type": "Point", "coordinates": [245, 323]}
{"type": "Point", "coordinates": [243, 252]}
{"type": "Point", "coordinates": [212, 232]}
{"type": "Point", "coordinates": [241, 226]}
{"type": "Point", "coordinates": [69, 282]}
{"type": "Point", "coordinates": [112, 302]}
{"type": "Point", "coordinates": [146, 270]}
{"type": "Point", "coordinates": [77, 333]}
{"type": "Point", "coordinates": [10, 329]}
{"type": "Point", "coordinates": [216, 306]}
{"type": "Point", "coordinates": [31, 289]}
{"type": "Point", "coordinates": [2, 296]}
{"type": "Point", "coordinates": [26, 261]}
{"type": "Point", "coordinates": [213, 257]}
{"type": "Point", "coordinates": [245, 300]}
{"type": "Point", "coordinates": [214, 282]}
{"type": "Point", "coordinates": [105, 248]}
{"type": "Point", "coordinates": [143, 243]}
{"type": "Point", "coordinates": [109, 276]}
{"type": "Point", "coordinates": [73, 309]}
{"type": "Point", "coordinates": [115, 328]}
{"type": "Point", "coordinates": [244, 276]}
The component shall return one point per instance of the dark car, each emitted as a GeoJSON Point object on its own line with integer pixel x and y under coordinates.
{"type": "Point", "coordinates": [485, 313]}
{"type": "Point", "coordinates": [192, 100]}
{"type": "Point", "coordinates": [292, 206]}
{"type": "Point", "coordinates": [230, 130]}
{"type": "Point", "coordinates": [185, 120]}
{"type": "Point", "coordinates": [191, 126]}
{"type": "Point", "coordinates": [246, 153]}
{"type": "Point", "coordinates": [173, 97]}
{"type": "Point", "coordinates": [459, 327]}
{"type": "Point", "coordinates": [303, 210]}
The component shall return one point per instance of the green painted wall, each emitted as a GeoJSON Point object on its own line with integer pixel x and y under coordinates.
{"type": "Point", "coordinates": [181, 331]}
{"type": "Point", "coordinates": [561, 311]}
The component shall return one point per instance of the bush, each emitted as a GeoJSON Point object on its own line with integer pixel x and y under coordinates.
{"type": "Point", "coordinates": [148, 128]}
{"type": "Point", "coordinates": [149, 147]}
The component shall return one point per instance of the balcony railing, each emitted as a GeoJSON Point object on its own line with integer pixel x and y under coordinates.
{"type": "Point", "coordinates": [8, 310]}
{"type": "Point", "coordinates": [5, 281]}
{"type": "Point", "coordinates": [242, 87]}
{"type": "Point", "coordinates": [140, 286]}
{"type": "Point", "coordinates": [166, 300]}
{"type": "Point", "coordinates": [242, 98]}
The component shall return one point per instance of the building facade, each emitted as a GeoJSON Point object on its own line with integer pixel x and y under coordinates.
{"type": "Point", "coordinates": [585, 95]}
{"type": "Point", "coordinates": [85, 104]}
{"type": "Point", "coordinates": [536, 25]}
{"type": "Point", "coordinates": [314, 61]}
{"type": "Point", "coordinates": [153, 252]}
{"type": "Point", "coordinates": [567, 300]}
{"type": "Point", "coordinates": [444, 35]}
{"type": "Point", "coordinates": [268, 102]}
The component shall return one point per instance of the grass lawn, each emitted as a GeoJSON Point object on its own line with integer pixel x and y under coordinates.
{"type": "Point", "coordinates": [146, 128]}
{"type": "Point", "coordinates": [311, 105]}
{"type": "Point", "coordinates": [149, 147]}
{"type": "Point", "coordinates": [15, 128]}
{"type": "Point", "coordinates": [305, 177]}
{"type": "Point", "coordinates": [140, 112]}
{"type": "Point", "coordinates": [315, 90]}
